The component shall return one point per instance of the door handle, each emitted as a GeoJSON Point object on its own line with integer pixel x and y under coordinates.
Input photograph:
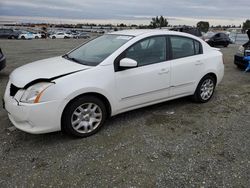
{"type": "Point", "coordinates": [164, 71]}
{"type": "Point", "coordinates": [199, 63]}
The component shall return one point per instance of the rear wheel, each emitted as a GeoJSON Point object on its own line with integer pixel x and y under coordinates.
{"type": "Point", "coordinates": [205, 89]}
{"type": "Point", "coordinates": [36, 37]}
{"type": "Point", "coordinates": [53, 37]}
{"type": "Point", "coordinates": [84, 116]}
{"type": "Point", "coordinates": [23, 37]}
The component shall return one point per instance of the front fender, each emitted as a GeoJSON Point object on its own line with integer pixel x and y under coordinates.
{"type": "Point", "coordinates": [99, 91]}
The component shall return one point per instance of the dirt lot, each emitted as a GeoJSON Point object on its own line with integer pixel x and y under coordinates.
{"type": "Point", "coordinates": [174, 144]}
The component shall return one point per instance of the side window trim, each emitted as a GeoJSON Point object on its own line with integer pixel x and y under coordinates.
{"type": "Point", "coordinates": [122, 55]}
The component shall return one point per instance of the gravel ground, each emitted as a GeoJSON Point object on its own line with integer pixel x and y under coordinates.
{"type": "Point", "coordinates": [173, 144]}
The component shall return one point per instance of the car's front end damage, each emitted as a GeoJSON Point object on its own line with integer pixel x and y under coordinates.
{"type": "Point", "coordinates": [33, 116]}
{"type": "Point", "coordinates": [27, 97]}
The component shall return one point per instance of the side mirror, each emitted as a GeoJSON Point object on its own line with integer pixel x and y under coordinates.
{"type": "Point", "coordinates": [129, 63]}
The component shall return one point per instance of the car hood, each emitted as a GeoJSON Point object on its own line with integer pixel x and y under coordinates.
{"type": "Point", "coordinates": [47, 69]}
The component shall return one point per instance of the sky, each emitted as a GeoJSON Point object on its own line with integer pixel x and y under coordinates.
{"type": "Point", "coordinates": [189, 12]}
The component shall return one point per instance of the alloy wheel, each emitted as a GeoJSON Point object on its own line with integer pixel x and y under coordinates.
{"type": "Point", "coordinates": [207, 89]}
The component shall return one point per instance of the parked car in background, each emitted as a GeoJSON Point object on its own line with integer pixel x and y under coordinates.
{"type": "Point", "coordinates": [2, 60]}
{"type": "Point", "coordinates": [70, 34]}
{"type": "Point", "coordinates": [50, 33]}
{"type": "Point", "coordinates": [219, 39]}
{"type": "Point", "coordinates": [243, 51]}
{"type": "Point", "coordinates": [29, 35]}
{"type": "Point", "coordinates": [82, 36]}
{"type": "Point", "coordinates": [60, 35]}
{"type": "Point", "coordinates": [190, 30]}
{"type": "Point", "coordinates": [8, 34]}
{"type": "Point", "coordinates": [208, 35]}
{"type": "Point", "coordinates": [109, 75]}
{"type": "Point", "coordinates": [74, 34]}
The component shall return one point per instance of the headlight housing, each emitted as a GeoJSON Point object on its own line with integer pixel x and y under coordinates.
{"type": "Point", "coordinates": [34, 92]}
{"type": "Point", "coordinates": [241, 51]}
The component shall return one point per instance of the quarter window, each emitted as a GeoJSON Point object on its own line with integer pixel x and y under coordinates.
{"type": "Point", "coordinates": [149, 51]}
{"type": "Point", "coordinates": [184, 47]}
{"type": "Point", "coordinates": [197, 47]}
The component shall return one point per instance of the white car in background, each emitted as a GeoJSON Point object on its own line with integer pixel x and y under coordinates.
{"type": "Point", "coordinates": [61, 35]}
{"type": "Point", "coordinates": [109, 75]}
{"type": "Point", "coordinates": [29, 35]}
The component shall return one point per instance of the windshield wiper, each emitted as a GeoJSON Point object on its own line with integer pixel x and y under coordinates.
{"type": "Point", "coordinates": [66, 56]}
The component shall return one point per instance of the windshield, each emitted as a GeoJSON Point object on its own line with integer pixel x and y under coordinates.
{"type": "Point", "coordinates": [95, 51]}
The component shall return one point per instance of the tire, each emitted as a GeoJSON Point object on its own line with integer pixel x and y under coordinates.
{"type": "Point", "coordinates": [80, 112]}
{"type": "Point", "coordinates": [36, 37]}
{"type": "Point", "coordinates": [12, 37]}
{"type": "Point", "coordinates": [53, 37]}
{"type": "Point", "coordinates": [205, 89]}
{"type": "Point", "coordinates": [65, 37]}
{"type": "Point", "coordinates": [23, 37]}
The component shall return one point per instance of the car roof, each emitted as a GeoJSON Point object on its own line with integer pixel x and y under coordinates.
{"type": "Point", "coordinates": [132, 32]}
{"type": "Point", "coordinates": [137, 32]}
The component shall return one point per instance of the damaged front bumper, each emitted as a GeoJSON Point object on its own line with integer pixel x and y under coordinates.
{"type": "Point", "coordinates": [33, 118]}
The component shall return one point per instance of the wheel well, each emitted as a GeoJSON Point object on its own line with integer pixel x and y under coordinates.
{"type": "Point", "coordinates": [98, 95]}
{"type": "Point", "coordinates": [213, 75]}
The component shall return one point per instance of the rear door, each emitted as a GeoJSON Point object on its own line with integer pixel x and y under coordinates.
{"type": "Point", "coordinates": [186, 65]}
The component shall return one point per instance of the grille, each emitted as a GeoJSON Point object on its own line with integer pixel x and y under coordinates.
{"type": "Point", "coordinates": [13, 90]}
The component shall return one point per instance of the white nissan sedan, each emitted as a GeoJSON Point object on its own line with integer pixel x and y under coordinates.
{"type": "Point", "coordinates": [111, 74]}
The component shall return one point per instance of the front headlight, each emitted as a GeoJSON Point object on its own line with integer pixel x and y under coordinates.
{"type": "Point", "coordinates": [34, 92]}
{"type": "Point", "coordinates": [241, 51]}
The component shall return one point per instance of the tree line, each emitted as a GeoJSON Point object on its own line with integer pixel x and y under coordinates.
{"type": "Point", "coordinates": [156, 22]}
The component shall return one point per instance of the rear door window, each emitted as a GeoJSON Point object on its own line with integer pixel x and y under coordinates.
{"type": "Point", "coordinates": [197, 47]}
{"type": "Point", "coordinates": [184, 47]}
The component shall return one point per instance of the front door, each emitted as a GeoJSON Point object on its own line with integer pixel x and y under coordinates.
{"type": "Point", "coordinates": [150, 81]}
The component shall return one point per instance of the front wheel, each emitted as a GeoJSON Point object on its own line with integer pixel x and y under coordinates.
{"type": "Point", "coordinates": [84, 116]}
{"type": "Point", "coordinates": [205, 89]}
